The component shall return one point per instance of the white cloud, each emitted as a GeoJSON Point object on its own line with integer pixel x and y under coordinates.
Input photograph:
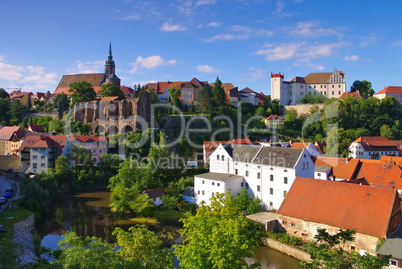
{"type": "Point", "coordinates": [87, 67]}
{"type": "Point", "coordinates": [255, 74]}
{"type": "Point", "coordinates": [207, 69]}
{"type": "Point", "coordinates": [279, 7]}
{"type": "Point", "coordinates": [150, 62]}
{"type": "Point", "coordinates": [213, 24]}
{"type": "Point", "coordinates": [311, 29]}
{"type": "Point", "coordinates": [281, 52]}
{"type": "Point", "coordinates": [351, 58]}
{"type": "Point", "coordinates": [167, 27]}
{"type": "Point", "coordinates": [300, 51]}
{"type": "Point", "coordinates": [132, 17]}
{"type": "Point", "coordinates": [10, 72]}
{"type": "Point", "coordinates": [240, 32]}
{"type": "Point", "coordinates": [205, 2]}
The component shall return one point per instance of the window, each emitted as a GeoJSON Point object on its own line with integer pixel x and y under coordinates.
{"type": "Point", "coordinates": [203, 182]}
{"type": "Point", "coordinates": [236, 171]}
{"type": "Point", "coordinates": [352, 248]}
{"type": "Point", "coordinates": [258, 175]}
{"type": "Point", "coordinates": [34, 157]}
{"type": "Point", "coordinates": [285, 193]}
{"type": "Point", "coordinates": [333, 86]}
{"type": "Point", "coordinates": [393, 262]}
{"type": "Point", "coordinates": [292, 224]}
{"type": "Point", "coordinates": [303, 166]}
{"type": "Point", "coordinates": [247, 173]}
{"type": "Point", "coordinates": [258, 188]}
{"type": "Point", "coordinates": [271, 204]}
{"type": "Point", "coordinates": [246, 185]}
{"type": "Point", "coordinates": [35, 165]}
{"type": "Point", "coordinates": [198, 192]}
{"type": "Point", "coordinates": [271, 191]}
{"type": "Point", "coordinates": [217, 157]}
{"type": "Point", "coordinates": [213, 183]}
{"type": "Point", "coordinates": [285, 180]}
{"type": "Point", "coordinates": [42, 165]}
{"type": "Point", "coordinates": [223, 157]}
{"type": "Point", "coordinates": [339, 92]}
{"type": "Point", "coordinates": [321, 86]}
{"type": "Point", "coordinates": [218, 184]}
{"type": "Point", "coordinates": [306, 165]}
{"type": "Point", "coordinates": [42, 157]}
{"type": "Point", "coordinates": [339, 86]}
{"type": "Point", "coordinates": [213, 194]}
{"type": "Point", "coordinates": [241, 184]}
{"type": "Point", "coordinates": [283, 222]}
{"type": "Point", "coordinates": [325, 86]}
{"type": "Point", "coordinates": [285, 170]}
{"type": "Point", "coordinates": [325, 93]}
{"type": "Point", "coordinates": [203, 192]}
{"type": "Point", "coordinates": [271, 177]}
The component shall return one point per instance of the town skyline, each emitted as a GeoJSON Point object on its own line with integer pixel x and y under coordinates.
{"type": "Point", "coordinates": [241, 42]}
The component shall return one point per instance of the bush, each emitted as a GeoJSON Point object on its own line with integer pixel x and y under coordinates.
{"type": "Point", "coordinates": [284, 238]}
{"type": "Point", "coordinates": [183, 206]}
{"type": "Point", "coordinates": [170, 201]}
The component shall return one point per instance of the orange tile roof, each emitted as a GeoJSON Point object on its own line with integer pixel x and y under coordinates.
{"type": "Point", "coordinates": [346, 170]}
{"type": "Point", "coordinates": [375, 141]}
{"type": "Point", "coordinates": [274, 117]}
{"type": "Point", "coordinates": [355, 95]}
{"type": "Point", "coordinates": [346, 206]}
{"type": "Point", "coordinates": [242, 141]}
{"type": "Point", "coordinates": [7, 132]}
{"type": "Point", "coordinates": [390, 89]}
{"type": "Point", "coordinates": [208, 145]}
{"type": "Point", "coordinates": [329, 161]}
{"type": "Point", "coordinates": [300, 145]}
{"type": "Point", "coordinates": [109, 98]}
{"type": "Point", "coordinates": [377, 174]}
{"type": "Point", "coordinates": [45, 143]}
{"type": "Point", "coordinates": [84, 139]}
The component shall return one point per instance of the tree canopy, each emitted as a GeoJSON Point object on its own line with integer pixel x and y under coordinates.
{"type": "Point", "coordinates": [219, 95]}
{"type": "Point", "coordinates": [81, 92]}
{"type": "Point", "coordinates": [109, 89]}
{"type": "Point", "coordinates": [363, 87]}
{"type": "Point", "coordinates": [174, 95]}
{"type": "Point", "coordinates": [217, 236]}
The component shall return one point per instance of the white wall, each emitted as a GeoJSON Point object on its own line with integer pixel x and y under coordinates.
{"type": "Point", "coordinates": [223, 164]}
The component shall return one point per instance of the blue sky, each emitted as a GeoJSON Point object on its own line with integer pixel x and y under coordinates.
{"type": "Point", "coordinates": [241, 41]}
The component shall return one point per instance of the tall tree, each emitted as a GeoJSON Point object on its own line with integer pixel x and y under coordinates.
{"type": "Point", "coordinates": [109, 89]}
{"type": "Point", "coordinates": [205, 99]}
{"type": "Point", "coordinates": [81, 92]}
{"type": "Point", "coordinates": [16, 111]}
{"type": "Point", "coordinates": [218, 236]}
{"type": "Point", "coordinates": [174, 95]}
{"type": "Point", "coordinates": [3, 93]}
{"type": "Point", "coordinates": [62, 103]}
{"type": "Point", "coordinates": [219, 95]}
{"type": "Point", "coordinates": [363, 87]}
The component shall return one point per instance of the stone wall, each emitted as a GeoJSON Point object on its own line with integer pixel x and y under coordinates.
{"type": "Point", "coordinates": [289, 250]}
{"type": "Point", "coordinates": [23, 236]}
{"type": "Point", "coordinates": [303, 108]}
{"type": "Point", "coordinates": [9, 162]}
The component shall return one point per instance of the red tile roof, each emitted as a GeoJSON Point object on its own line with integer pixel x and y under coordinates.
{"type": "Point", "coordinates": [347, 170]}
{"type": "Point", "coordinates": [45, 143]}
{"type": "Point", "coordinates": [375, 142]}
{"type": "Point", "coordinates": [390, 89]}
{"type": "Point", "coordinates": [35, 129]}
{"type": "Point", "coordinates": [346, 206]}
{"type": "Point", "coordinates": [109, 98]}
{"type": "Point", "coordinates": [377, 174]}
{"type": "Point", "coordinates": [7, 132]}
{"type": "Point", "coordinates": [329, 161]}
{"type": "Point", "coordinates": [355, 95]}
{"type": "Point", "coordinates": [242, 141]}
{"type": "Point", "coordinates": [300, 145]}
{"type": "Point", "coordinates": [274, 117]}
{"type": "Point", "coordinates": [85, 139]}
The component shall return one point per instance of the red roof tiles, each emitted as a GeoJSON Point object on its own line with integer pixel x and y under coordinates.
{"type": "Point", "coordinates": [346, 206]}
{"type": "Point", "coordinates": [390, 89]}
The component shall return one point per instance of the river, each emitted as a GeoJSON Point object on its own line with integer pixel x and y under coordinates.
{"type": "Point", "coordinates": [88, 215]}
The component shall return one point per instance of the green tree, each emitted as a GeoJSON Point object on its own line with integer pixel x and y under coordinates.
{"type": "Point", "coordinates": [219, 95]}
{"type": "Point", "coordinates": [109, 89]}
{"type": "Point", "coordinates": [154, 98]}
{"type": "Point", "coordinates": [327, 252]}
{"type": "Point", "coordinates": [205, 100]}
{"type": "Point", "coordinates": [81, 92]}
{"type": "Point", "coordinates": [16, 111]}
{"type": "Point", "coordinates": [62, 103]}
{"type": "Point", "coordinates": [217, 236]}
{"type": "Point", "coordinates": [4, 93]}
{"type": "Point", "coordinates": [247, 203]}
{"type": "Point", "coordinates": [174, 95]}
{"type": "Point", "coordinates": [4, 109]}
{"type": "Point", "coordinates": [363, 87]}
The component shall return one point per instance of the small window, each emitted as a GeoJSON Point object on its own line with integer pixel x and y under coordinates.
{"type": "Point", "coordinates": [213, 194]}
{"type": "Point", "coordinates": [352, 248]}
{"type": "Point", "coordinates": [203, 182]}
{"type": "Point", "coordinates": [271, 177]}
{"type": "Point", "coordinates": [284, 222]}
{"type": "Point", "coordinates": [241, 184]}
{"type": "Point", "coordinates": [34, 157]}
{"type": "Point", "coordinates": [203, 192]}
{"type": "Point", "coordinates": [247, 173]}
{"type": "Point", "coordinates": [213, 183]}
{"type": "Point", "coordinates": [285, 170]}
{"type": "Point", "coordinates": [246, 185]}
{"type": "Point", "coordinates": [217, 157]}
{"type": "Point", "coordinates": [285, 193]}
{"type": "Point", "coordinates": [198, 192]}
{"type": "Point", "coordinates": [332, 92]}
{"type": "Point", "coordinates": [223, 157]}
{"type": "Point", "coordinates": [35, 165]}
{"type": "Point", "coordinates": [236, 171]}
{"type": "Point", "coordinates": [258, 188]}
{"type": "Point", "coordinates": [271, 191]}
{"type": "Point", "coordinates": [218, 184]}
{"type": "Point", "coordinates": [292, 224]}
{"type": "Point", "coordinates": [285, 180]}
{"type": "Point", "coordinates": [42, 165]}
{"type": "Point", "coordinates": [258, 175]}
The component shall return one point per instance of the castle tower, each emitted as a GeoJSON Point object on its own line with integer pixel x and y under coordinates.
{"type": "Point", "coordinates": [277, 89]}
{"type": "Point", "coordinates": [110, 68]}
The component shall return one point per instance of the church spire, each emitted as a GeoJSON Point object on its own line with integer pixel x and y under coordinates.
{"type": "Point", "coordinates": [110, 57]}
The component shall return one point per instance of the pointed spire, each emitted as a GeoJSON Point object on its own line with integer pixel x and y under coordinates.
{"type": "Point", "coordinates": [110, 57]}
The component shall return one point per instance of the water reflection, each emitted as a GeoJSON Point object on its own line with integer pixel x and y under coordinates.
{"type": "Point", "coordinates": [88, 215]}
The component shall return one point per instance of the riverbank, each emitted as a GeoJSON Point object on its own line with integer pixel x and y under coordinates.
{"type": "Point", "coordinates": [23, 236]}
{"type": "Point", "coordinates": [286, 249]}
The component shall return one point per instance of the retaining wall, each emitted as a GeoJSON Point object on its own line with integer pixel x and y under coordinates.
{"type": "Point", "coordinates": [289, 250]}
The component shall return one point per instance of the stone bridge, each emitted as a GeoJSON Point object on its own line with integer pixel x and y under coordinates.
{"type": "Point", "coordinates": [115, 117]}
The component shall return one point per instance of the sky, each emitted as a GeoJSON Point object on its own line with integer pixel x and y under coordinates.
{"type": "Point", "coordinates": [239, 41]}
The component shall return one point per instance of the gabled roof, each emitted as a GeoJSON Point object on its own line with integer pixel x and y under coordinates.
{"type": "Point", "coordinates": [247, 90]}
{"type": "Point", "coordinates": [355, 95]}
{"type": "Point", "coordinates": [218, 176]}
{"type": "Point", "coordinates": [154, 193]}
{"type": "Point", "coordinates": [393, 247]}
{"type": "Point", "coordinates": [35, 129]}
{"type": "Point", "coordinates": [274, 117]}
{"type": "Point", "coordinates": [330, 161]}
{"type": "Point", "coordinates": [346, 206]}
{"type": "Point", "coordinates": [377, 174]}
{"type": "Point", "coordinates": [45, 143]}
{"type": "Point", "coordinates": [85, 139]}
{"type": "Point", "coordinates": [298, 80]}
{"type": "Point", "coordinates": [245, 152]}
{"type": "Point", "coordinates": [390, 89]}
{"type": "Point", "coordinates": [278, 156]}
{"type": "Point", "coordinates": [127, 91]}
{"type": "Point", "coordinates": [301, 145]}
{"type": "Point", "coordinates": [346, 170]}
{"type": "Point", "coordinates": [319, 77]}
{"type": "Point", "coordinates": [7, 132]}
{"type": "Point", "coordinates": [375, 143]}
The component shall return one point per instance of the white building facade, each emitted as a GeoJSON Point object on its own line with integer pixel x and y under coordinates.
{"type": "Point", "coordinates": [265, 172]}
{"type": "Point", "coordinates": [328, 84]}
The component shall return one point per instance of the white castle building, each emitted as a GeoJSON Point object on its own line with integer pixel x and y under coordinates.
{"type": "Point", "coordinates": [329, 84]}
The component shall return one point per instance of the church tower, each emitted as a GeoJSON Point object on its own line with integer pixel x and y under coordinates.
{"type": "Point", "coordinates": [109, 63]}
{"type": "Point", "coordinates": [110, 69]}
